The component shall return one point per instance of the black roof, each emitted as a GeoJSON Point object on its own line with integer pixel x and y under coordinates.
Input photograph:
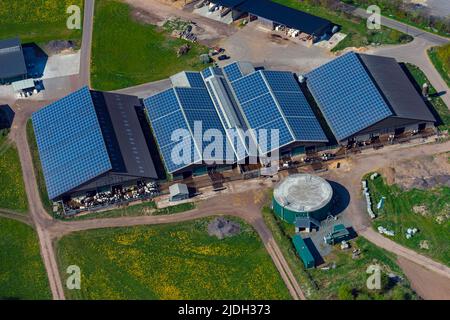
{"type": "Point", "coordinates": [396, 87]}
{"type": "Point", "coordinates": [228, 3]}
{"type": "Point", "coordinates": [12, 61]}
{"type": "Point", "coordinates": [123, 135]}
{"type": "Point", "coordinates": [287, 16]}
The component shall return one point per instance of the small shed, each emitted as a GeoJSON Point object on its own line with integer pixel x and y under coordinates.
{"type": "Point", "coordinates": [339, 234]}
{"type": "Point", "coordinates": [22, 85]}
{"type": "Point", "coordinates": [179, 192]}
{"type": "Point", "coordinates": [304, 252]}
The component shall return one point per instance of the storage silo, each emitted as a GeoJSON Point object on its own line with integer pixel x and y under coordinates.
{"type": "Point", "coordinates": [303, 200]}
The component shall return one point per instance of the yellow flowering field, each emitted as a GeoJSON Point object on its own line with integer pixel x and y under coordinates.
{"type": "Point", "coordinates": [37, 20]}
{"type": "Point", "coordinates": [12, 189]}
{"type": "Point", "coordinates": [177, 261]}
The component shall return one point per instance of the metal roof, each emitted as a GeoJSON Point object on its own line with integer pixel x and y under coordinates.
{"type": "Point", "coordinates": [23, 84]}
{"type": "Point", "coordinates": [403, 98]}
{"type": "Point", "coordinates": [287, 16]}
{"type": "Point", "coordinates": [228, 3]}
{"type": "Point", "coordinates": [123, 134]}
{"type": "Point", "coordinates": [347, 96]}
{"type": "Point", "coordinates": [12, 61]}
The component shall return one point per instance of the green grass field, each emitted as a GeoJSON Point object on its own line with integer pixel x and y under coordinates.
{"type": "Point", "coordinates": [398, 215]}
{"type": "Point", "coordinates": [22, 273]}
{"type": "Point", "coordinates": [178, 261]}
{"type": "Point", "coordinates": [12, 188]}
{"type": "Point", "coordinates": [38, 168]}
{"type": "Point", "coordinates": [440, 56]}
{"type": "Point", "coordinates": [127, 53]}
{"type": "Point", "coordinates": [356, 29]}
{"type": "Point", "coordinates": [142, 209]}
{"type": "Point", "coordinates": [437, 102]}
{"type": "Point", "coordinates": [349, 275]}
{"type": "Point", "coordinates": [37, 21]}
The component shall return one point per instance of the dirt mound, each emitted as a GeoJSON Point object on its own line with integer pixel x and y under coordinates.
{"type": "Point", "coordinates": [223, 228]}
{"type": "Point", "coordinates": [425, 172]}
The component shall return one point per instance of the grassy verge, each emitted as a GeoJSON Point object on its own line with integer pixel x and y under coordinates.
{"type": "Point", "coordinates": [12, 188]}
{"type": "Point", "coordinates": [437, 103]}
{"type": "Point", "coordinates": [440, 57]}
{"type": "Point", "coordinates": [348, 280]}
{"type": "Point", "coordinates": [356, 29]}
{"type": "Point", "coordinates": [142, 209]}
{"type": "Point", "coordinates": [37, 21]}
{"type": "Point", "coordinates": [47, 203]}
{"type": "Point", "coordinates": [127, 53]}
{"type": "Point", "coordinates": [22, 272]}
{"type": "Point", "coordinates": [398, 215]}
{"type": "Point", "coordinates": [176, 261]}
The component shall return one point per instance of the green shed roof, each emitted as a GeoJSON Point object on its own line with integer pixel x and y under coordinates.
{"type": "Point", "coordinates": [303, 251]}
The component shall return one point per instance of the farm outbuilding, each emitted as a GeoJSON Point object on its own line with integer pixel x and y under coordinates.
{"type": "Point", "coordinates": [179, 192]}
{"type": "Point", "coordinates": [272, 14]}
{"type": "Point", "coordinates": [12, 61]}
{"type": "Point", "coordinates": [303, 252]}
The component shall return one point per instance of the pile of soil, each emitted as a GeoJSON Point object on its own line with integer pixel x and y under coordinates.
{"type": "Point", "coordinates": [223, 228]}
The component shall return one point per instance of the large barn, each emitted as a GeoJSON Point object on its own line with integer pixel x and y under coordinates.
{"type": "Point", "coordinates": [92, 140]}
{"type": "Point", "coordinates": [238, 101]}
{"type": "Point", "coordinates": [363, 97]}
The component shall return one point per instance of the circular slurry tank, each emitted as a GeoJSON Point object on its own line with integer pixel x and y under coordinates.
{"type": "Point", "coordinates": [302, 196]}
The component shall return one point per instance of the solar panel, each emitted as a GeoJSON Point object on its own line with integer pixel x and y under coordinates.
{"type": "Point", "coordinates": [188, 109]}
{"type": "Point", "coordinates": [232, 71]}
{"type": "Point", "coordinates": [249, 87]}
{"type": "Point", "coordinates": [207, 73]}
{"type": "Point", "coordinates": [195, 79]}
{"type": "Point", "coordinates": [70, 143]}
{"type": "Point", "coordinates": [347, 96]}
{"type": "Point", "coordinates": [281, 80]}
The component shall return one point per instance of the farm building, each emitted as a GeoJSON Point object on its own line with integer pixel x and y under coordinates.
{"type": "Point", "coordinates": [12, 61]}
{"type": "Point", "coordinates": [271, 15]}
{"type": "Point", "coordinates": [91, 141]}
{"type": "Point", "coordinates": [230, 100]}
{"type": "Point", "coordinates": [303, 200]}
{"type": "Point", "coordinates": [303, 252]}
{"type": "Point", "coordinates": [363, 97]}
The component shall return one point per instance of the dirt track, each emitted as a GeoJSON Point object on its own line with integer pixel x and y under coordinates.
{"type": "Point", "coordinates": [427, 284]}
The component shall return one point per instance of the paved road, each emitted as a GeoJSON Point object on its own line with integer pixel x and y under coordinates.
{"type": "Point", "coordinates": [86, 45]}
{"type": "Point", "coordinates": [400, 26]}
{"type": "Point", "coordinates": [416, 53]}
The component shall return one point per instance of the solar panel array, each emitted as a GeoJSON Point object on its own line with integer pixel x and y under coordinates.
{"type": "Point", "coordinates": [347, 96]}
{"type": "Point", "coordinates": [232, 71]}
{"type": "Point", "coordinates": [269, 98]}
{"type": "Point", "coordinates": [192, 110]}
{"type": "Point", "coordinates": [195, 79]}
{"type": "Point", "coordinates": [295, 107]}
{"type": "Point", "coordinates": [70, 143]}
